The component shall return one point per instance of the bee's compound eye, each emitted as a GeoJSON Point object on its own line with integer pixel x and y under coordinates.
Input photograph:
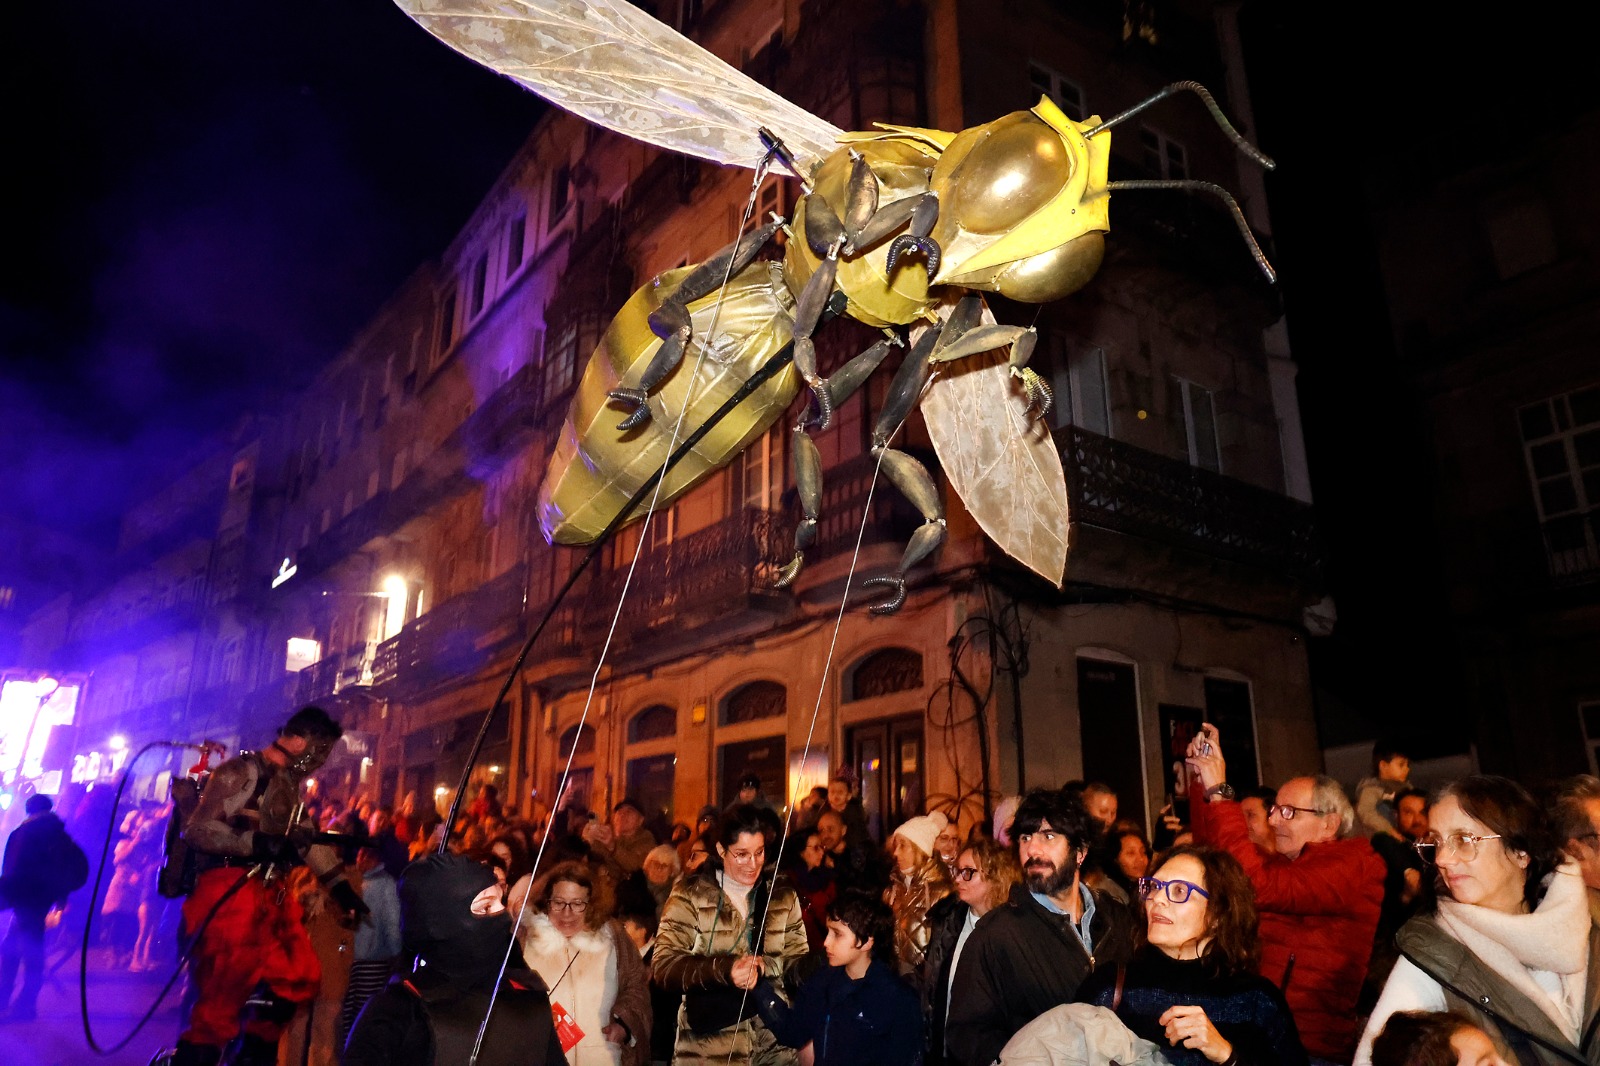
{"type": "Point", "coordinates": [1058, 272]}
{"type": "Point", "coordinates": [1021, 166]}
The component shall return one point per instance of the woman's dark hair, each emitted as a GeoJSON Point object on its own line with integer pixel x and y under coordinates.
{"type": "Point", "coordinates": [520, 862]}
{"type": "Point", "coordinates": [1235, 946]}
{"type": "Point", "coordinates": [868, 918]}
{"type": "Point", "coordinates": [1418, 1038]}
{"type": "Point", "coordinates": [740, 819]}
{"type": "Point", "coordinates": [1064, 812]}
{"type": "Point", "coordinates": [1507, 808]}
{"type": "Point", "coordinates": [1110, 854]}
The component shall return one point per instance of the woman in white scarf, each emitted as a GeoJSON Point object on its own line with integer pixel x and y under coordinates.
{"type": "Point", "coordinates": [1512, 942]}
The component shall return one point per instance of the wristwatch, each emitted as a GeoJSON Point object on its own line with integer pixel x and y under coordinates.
{"type": "Point", "coordinates": [1222, 790]}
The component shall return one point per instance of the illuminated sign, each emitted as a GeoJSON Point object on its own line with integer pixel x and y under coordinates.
{"type": "Point", "coordinates": [285, 572]}
{"type": "Point", "coordinates": [28, 711]}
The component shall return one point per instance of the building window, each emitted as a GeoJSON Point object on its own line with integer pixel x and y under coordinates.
{"type": "Point", "coordinates": [1561, 445]}
{"type": "Point", "coordinates": [760, 471]}
{"type": "Point", "coordinates": [1163, 156]}
{"type": "Point", "coordinates": [1067, 94]}
{"type": "Point", "coordinates": [514, 243]}
{"type": "Point", "coordinates": [581, 738]}
{"type": "Point", "coordinates": [447, 322]}
{"type": "Point", "coordinates": [653, 723]}
{"type": "Point", "coordinates": [560, 194]}
{"type": "Point", "coordinates": [1083, 396]}
{"type": "Point", "coordinates": [480, 286]}
{"type": "Point", "coordinates": [1197, 407]}
{"type": "Point", "coordinates": [754, 702]}
{"type": "Point", "coordinates": [560, 357]}
{"type": "Point", "coordinates": [884, 672]}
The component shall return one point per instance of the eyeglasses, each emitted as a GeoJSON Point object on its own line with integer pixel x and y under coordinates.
{"type": "Point", "coordinates": [1287, 811]}
{"type": "Point", "coordinates": [1464, 845]}
{"type": "Point", "coordinates": [577, 906]}
{"type": "Point", "coordinates": [966, 873]}
{"type": "Point", "coordinates": [1177, 891]}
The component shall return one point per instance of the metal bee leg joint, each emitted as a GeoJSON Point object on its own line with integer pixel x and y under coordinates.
{"type": "Point", "coordinates": [917, 239]}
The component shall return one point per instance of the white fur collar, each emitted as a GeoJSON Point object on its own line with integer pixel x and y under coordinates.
{"type": "Point", "coordinates": [543, 938]}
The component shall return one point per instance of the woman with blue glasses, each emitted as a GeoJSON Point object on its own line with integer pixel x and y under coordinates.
{"type": "Point", "coordinates": [1192, 986]}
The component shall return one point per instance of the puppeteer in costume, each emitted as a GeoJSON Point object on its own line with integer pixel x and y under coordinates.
{"type": "Point", "coordinates": [253, 963]}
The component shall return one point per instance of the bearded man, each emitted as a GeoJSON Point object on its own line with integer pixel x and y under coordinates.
{"type": "Point", "coordinates": [1031, 953]}
{"type": "Point", "coordinates": [253, 964]}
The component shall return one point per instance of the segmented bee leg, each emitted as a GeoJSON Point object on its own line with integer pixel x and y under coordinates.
{"type": "Point", "coordinates": [889, 218]}
{"type": "Point", "coordinates": [911, 478]}
{"type": "Point", "coordinates": [895, 601]}
{"type": "Point", "coordinates": [706, 278]}
{"type": "Point", "coordinates": [823, 227]}
{"type": "Point", "coordinates": [1040, 396]}
{"type": "Point", "coordinates": [983, 339]}
{"type": "Point", "coordinates": [917, 238]}
{"type": "Point", "coordinates": [807, 313]}
{"type": "Point", "coordinates": [861, 197]}
{"type": "Point", "coordinates": [808, 485]}
{"type": "Point", "coordinates": [635, 398]}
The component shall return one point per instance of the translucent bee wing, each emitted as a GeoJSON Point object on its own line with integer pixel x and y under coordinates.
{"type": "Point", "coordinates": [612, 64]}
{"type": "Point", "coordinates": [1004, 466]}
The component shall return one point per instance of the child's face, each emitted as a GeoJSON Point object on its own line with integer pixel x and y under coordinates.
{"type": "Point", "coordinates": [1395, 769]}
{"type": "Point", "coordinates": [1473, 1048]}
{"type": "Point", "coordinates": [842, 946]}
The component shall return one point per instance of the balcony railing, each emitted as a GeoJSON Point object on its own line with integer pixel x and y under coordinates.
{"type": "Point", "coordinates": [335, 672]}
{"type": "Point", "coordinates": [1572, 548]}
{"type": "Point", "coordinates": [844, 496]}
{"type": "Point", "coordinates": [1117, 486]}
{"type": "Point", "coordinates": [453, 639]}
{"type": "Point", "coordinates": [712, 573]}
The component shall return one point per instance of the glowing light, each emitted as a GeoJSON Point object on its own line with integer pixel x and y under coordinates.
{"type": "Point", "coordinates": [5, 801]}
{"type": "Point", "coordinates": [441, 790]}
{"type": "Point", "coordinates": [29, 710]}
{"type": "Point", "coordinates": [394, 587]}
{"type": "Point", "coordinates": [118, 742]}
{"type": "Point", "coordinates": [285, 572]}
{"type": "Point", "coordinates": [301, 653]}
{"type": "Point", "coordinates": [311, 783]}
{"type": "Point", "coordinates": [494, 769]}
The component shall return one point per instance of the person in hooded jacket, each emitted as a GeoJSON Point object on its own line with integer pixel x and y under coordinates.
{"type": "Point", "coordinates": [456, 932]}
{"type": "Point", "coordinates": [854, 1010]}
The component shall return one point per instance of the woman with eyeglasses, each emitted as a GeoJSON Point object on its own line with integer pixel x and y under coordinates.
{"type": "Point", "coordinates": [920, 880]}
{"type": "Point", "coordinates": [1508, 936]}
{"type": "Point", "coordinates": [1193, 986]}
{"type": "Point", "coordinates": [593, 971]}
{"type": "Point", "coordinates": [984, 875]}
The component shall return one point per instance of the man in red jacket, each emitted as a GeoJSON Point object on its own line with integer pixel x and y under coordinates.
{"type": "Point", "coordinates": [1318, 895]}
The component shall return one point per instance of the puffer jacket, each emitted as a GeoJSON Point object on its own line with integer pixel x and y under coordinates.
{"type": "Point", "coordinates": [1318, 915]}
{"type": "Point", "coordinates": [701, 934]}
{"type": "Point", "coordinates": [910, 897]}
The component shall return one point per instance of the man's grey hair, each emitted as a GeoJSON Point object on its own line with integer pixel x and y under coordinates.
{"type": "Point", "coordinates": [666, 853]}
{"type": "Point", "coordinates": [1570, 811]}
{"type": "Point", "coordinates": [1328, 795]}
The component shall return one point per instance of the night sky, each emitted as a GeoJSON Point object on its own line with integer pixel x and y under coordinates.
{"type": "Point", "coordinates": [207, 200]}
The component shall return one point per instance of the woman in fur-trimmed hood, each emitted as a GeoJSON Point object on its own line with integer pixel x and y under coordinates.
{"type": "Point", "coordinates": [594, 972]}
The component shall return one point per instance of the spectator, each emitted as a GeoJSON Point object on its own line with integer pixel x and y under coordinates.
{"type": "Point", "coordinates": [42, 866]}
{"type": "Point", "coordinates": [487, 803]}
{"type": "Point", "coordinates": [700, 849]}
{"type": "Point", "coordinates": [750, 793]}
{"type": "Point", "coordinates": [630, 840]}
{"type": "Point", "coordinates": [454, 921]}
{"type": "Point", "coordinates": [1318, 896]}
{"type": "Point", "coordinates": [149, 843]}
{"type": "Point", "coordinates": [1411, 814]}
{"type": "Point", "coordinates": [814, 881]}
{"type": "Point", "coordinates": [1004, 812]}
{"type": "Point", "coordinates": [1402, 889]}
{"type": "Point", "coordinates": [1375, 796]}
{"type": "Point", "coordinates": [855, 1010]}
{"type": "Point", "coordinates": [1127, 858]}
{"type": "Point", "coordinates": [510, 849]}
{"type": "Point", "coordinates": [856, 863]}
{"type": "Point", "coordinates": [845, 801]}
{"type": "Point", "coordinates": [647, 889]}
{"type": "Point", "coordinates": [1576, 814]}
{"type": "Point", "coordinates": [592, 969]}
{"type": "Point", "coordinates": [1101, 802]}
{"type": "Point", "coordinates": [1511, 941]}
{"type": "Point", "coordinates": [1256, 804]}
{"type": "Point", "coordinates": [919, 881]}
{"type": "Point", "coordinates": [119, 911]}
{"type": "Point", "coordinates": [377, 940]}
{"type": "Point", "coordinates": [406, 820]}
{"type": "Point", "coordinates": [947, 845]}
{"type": "Point", "coordinates": [1430, 1038]}
{"type": "Point", "coordinates": [1032, 953]}
{"type": "Point", "coordinates": [642, 929]}
{"type": "Point", "coordinates": [986, 871]}
{"type": "Point", "coordinates": [394, 852]}
{"type": "Point", "coordinates": [810, 808]}
{"type": "Point", "coordinates": [713, 945]}
{"type": "Point", "coordinates": [1193, 986]}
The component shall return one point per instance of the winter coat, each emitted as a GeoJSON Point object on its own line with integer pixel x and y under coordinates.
{"type": "Point", "coordinates": [42, 864]}
{"type": "Point", "coordinates": [1318, 915]}
{"type": "Point", "coordinates": [945, 919]}
{"type": "Point", "coordinates": [1247, 1009]}
{"type": "Point", "coordinates": [701, 934]}
{"type": "Point", "coordinates": [1438, 972]}
{"type": "Point", "coordinates": [423, 1022]}
{"type": "Point", "coordinates": [596, 976]}
{"type": "Point", "coordinates": [1077, 1034]}
{"type": "Point", "coordinates": [875, 1020]}
{"type": "Point", "coordinates": [910, 897]}
{"type": "Point", "coordinates": [1020, 961]}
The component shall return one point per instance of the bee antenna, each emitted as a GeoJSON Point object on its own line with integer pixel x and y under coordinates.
{"type": "Point", "coordinates": [1225, 196]}
{"type": "Point", "coordinates": [1201, 91]}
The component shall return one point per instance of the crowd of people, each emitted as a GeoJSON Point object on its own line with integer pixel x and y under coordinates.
{"type": "Point", "coordinates": [1291, 927]}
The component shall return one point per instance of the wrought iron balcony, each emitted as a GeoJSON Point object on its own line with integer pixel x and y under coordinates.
{"type": "Point", "coordinates": [453, 639]}
{"type": "Point", "coordinates": [707, 576]}
{"type": "Point", "coordinates": [334, 673]}
{"type": "Point", "coordinates": [1116, 486]}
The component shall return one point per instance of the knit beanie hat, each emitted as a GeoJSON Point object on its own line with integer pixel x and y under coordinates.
{"type": "Point", "coordinates": [923, 830]}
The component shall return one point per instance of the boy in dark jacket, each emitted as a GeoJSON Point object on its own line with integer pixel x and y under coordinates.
{"type": "Point", "coordinates": [855, 1010]}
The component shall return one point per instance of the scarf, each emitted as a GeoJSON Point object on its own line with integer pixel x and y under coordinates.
{"type": "Point", "coordinates": [1554, 937]}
